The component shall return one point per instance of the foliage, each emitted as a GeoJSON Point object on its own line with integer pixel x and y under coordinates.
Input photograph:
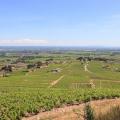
{"type": "Point", "coordinates": [19, 102]}
{"type": "Point", "coordinates": [89, 113]}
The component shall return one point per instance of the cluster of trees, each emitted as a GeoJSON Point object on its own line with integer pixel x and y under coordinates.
{"type": "Point", "coordinates": [94, 58]}
{"type": "Point", "coordinates": [5, 70]}
{"type": "Point", "coordinates": [37, 65]}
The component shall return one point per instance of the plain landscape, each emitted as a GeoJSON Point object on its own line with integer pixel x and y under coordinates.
{"type": "Point", "coordinates": [60, 80]}
{"type": "Point", "coordinates": [59, 59]}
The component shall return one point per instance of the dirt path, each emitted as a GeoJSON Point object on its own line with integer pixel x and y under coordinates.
{"type": "Point", "coordinates": [56, 81]}
{"type": "Point", "coordinates": [86, 68]}
{"type": "Point", "coordinates": [75, 112]}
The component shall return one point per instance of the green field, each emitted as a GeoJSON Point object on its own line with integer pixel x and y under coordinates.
{"type": "Point", "coordinates": [73, 73]}
{"type": "Point", "coordinates": [23, 92]}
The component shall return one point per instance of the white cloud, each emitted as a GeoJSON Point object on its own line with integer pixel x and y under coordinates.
{"type": "Point", "coordinates": [23, 42]}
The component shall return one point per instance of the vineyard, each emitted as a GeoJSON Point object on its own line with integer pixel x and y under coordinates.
{"type": "Point", "coordinates": [15, 105]}
{"type": "Point", "coordinates": [64, 81]}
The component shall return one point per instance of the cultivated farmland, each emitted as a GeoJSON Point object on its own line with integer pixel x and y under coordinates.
{"type": "Point", "coordinates": [33, 82]}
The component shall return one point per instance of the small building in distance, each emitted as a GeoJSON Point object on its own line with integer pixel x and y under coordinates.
{"type": "Point", "coordinates": [57, 70]}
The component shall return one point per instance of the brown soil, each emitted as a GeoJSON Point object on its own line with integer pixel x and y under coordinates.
{"type": "Point", "coordinates": [75, 112]}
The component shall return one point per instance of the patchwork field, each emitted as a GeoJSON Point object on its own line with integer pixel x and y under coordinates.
{"type": "Point", "coordinates": [74, 73]}
{"type": "Point", "coordinates": [64, 81]}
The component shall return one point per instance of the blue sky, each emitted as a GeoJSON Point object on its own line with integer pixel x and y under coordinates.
{"type": "Point", "coordinates": [60, 22]}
